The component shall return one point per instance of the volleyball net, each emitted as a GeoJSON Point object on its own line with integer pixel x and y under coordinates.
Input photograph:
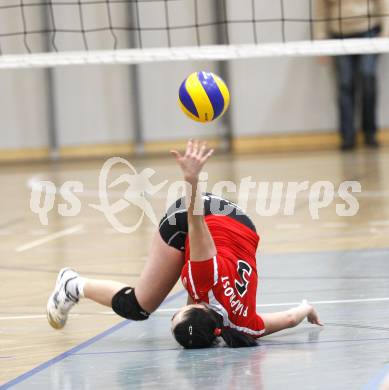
{"type": "Point", "coordinates": [47, 33]}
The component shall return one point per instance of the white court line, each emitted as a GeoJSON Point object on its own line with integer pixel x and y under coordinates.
{"type": "Point", "coordinates": [33, 183]}
{"type": "Point", "coordinates": [174, 309]}
{"type": "Point", "coordinates": [331, 225]}
{"type": "Point", "coordinates": [312, 302]}
{"type": "Point", "coordinates": [38, 232]}
{"type": "Point", "coordinates": [361, 300]}
{"type": "Point", "coordinates": [50, 237]}
{"type": "Point", "coordinates": [379, 223]}
{"type": "Point", "coordinates": [22, 317]}
{"type": "Point", "coordinates": [287, 226]}
{"type": "Point", "coordinates": [29, 317]}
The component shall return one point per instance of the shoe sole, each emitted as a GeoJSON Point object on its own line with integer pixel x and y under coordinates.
{"type": "Point", "coordinates": [50, 303]}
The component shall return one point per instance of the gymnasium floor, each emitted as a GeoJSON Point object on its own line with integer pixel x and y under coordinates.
{"type": "Point", "coordinates": [338, 262]}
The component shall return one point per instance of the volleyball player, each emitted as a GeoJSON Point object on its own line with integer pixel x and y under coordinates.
{"type": "Point", "coordinates": [212, 244]}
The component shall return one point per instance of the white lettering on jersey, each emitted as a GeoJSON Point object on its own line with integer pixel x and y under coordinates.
{"type": "Point", "coordinates": [237, 307]}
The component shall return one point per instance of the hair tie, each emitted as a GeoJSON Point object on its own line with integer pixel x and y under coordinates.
{"type": "Point", "coordinates": [217, 332]}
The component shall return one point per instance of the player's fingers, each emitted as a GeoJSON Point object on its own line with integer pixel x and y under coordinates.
{"type": "Point", "coordinates": [208, 155]}
{"type": "Point", "coordinates": [203, 148]}
{"type": "Point", "coordinates": [315, 321]}
{"type": "Point", "coordinates": [176, 154]}
{"type": "Point", "coordinates": [195, 149]}
{"type": "Point", "coordinates": [189, 147]}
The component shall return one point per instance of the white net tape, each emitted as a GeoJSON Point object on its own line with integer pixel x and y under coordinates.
{"type": "Point", "coordinates": [214, 52]}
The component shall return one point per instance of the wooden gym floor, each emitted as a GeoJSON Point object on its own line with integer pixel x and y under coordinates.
{"type": "Point", "coordinates": [339, 262]}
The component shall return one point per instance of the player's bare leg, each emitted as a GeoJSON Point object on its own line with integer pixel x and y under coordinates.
{"type": "Point", "coordinates": [101, 291]}
{"type": "Point", "coordinates": [159, 276]}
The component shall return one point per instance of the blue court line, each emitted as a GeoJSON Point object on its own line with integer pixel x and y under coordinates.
{"type": "Point", "coordinates": [77, 348]}
{"type": "Point", "coordinates": [374, 382]}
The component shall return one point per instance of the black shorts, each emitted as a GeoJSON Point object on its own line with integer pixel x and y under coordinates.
{"type": "Point", "coordinates": [174, 224]}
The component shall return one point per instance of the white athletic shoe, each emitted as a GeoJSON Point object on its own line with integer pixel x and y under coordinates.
{"type": "Point", "coordinates": [61, 301]}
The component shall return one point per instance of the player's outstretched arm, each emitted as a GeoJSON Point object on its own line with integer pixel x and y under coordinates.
{"type": "Point", "coordinates": [202, 246]}
{"type": "Point", "coordinates": [274, 322]}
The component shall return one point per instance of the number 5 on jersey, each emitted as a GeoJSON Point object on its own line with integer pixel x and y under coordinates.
{"type": "Point", "coordinates": [244, 271]}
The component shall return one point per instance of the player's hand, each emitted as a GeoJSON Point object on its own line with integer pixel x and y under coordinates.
{"type": "Point", "coordinates": [193, 160]}
{"type": "Point", "coordinates": [323, 60]}
{"type": "Point", "coordinates": [312, 316]}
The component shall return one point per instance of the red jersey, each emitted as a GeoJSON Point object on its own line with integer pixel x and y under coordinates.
{"type": "Point", "coordinates": [228, 282]}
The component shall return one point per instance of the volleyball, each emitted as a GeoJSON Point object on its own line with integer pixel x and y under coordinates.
{"type": "Point", "coordinates": [204, 96]}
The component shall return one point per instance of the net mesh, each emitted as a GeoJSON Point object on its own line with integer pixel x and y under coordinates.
{"type": "Point", "coordinates": [61, 32]}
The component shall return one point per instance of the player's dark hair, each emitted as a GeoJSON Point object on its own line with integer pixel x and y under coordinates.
{"type": "Point", "coordinates": [200, 328]}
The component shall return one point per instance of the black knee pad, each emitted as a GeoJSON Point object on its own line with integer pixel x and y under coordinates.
{"type": "Point", "coordinates": [125, 304]}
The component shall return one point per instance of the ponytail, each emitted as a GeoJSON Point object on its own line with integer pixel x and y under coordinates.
{"type": "Point", "coordinates": [235, 339]}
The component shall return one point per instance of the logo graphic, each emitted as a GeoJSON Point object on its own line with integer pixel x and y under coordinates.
{"type": "Point", "coordinates": [139, 185]}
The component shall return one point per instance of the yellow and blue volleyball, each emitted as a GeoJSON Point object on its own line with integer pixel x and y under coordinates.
{"type": "Point", "coordinates": [204, 96]}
